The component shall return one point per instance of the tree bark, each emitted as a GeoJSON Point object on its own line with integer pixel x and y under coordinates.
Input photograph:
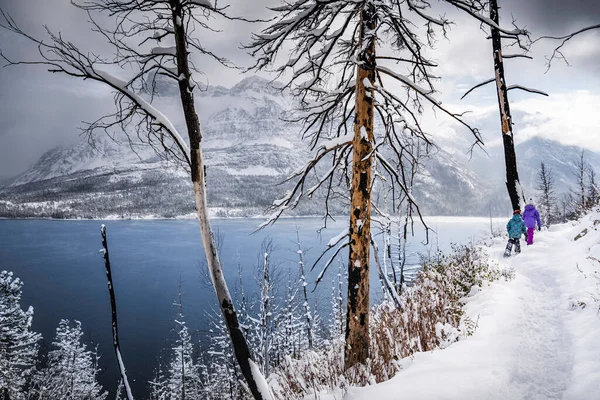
{"type": "Point", "coordinates": [238, 341]}
{"type": "Point", "coordinates": [512, 176]}
{"type": "Point", "coordinates": [357, 317]}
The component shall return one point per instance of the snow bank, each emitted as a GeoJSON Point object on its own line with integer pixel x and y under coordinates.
{"type": "Point", "coordinates": [536, 336]}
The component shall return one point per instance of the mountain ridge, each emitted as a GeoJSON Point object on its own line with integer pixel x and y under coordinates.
{"type": "Point", "coordinates": [249, 152]}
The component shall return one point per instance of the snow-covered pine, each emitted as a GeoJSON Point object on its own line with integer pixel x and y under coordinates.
{"type": "Point", "coordinates": [266, 292]}
{"type": "Point", "coordinates": [183, 372]}
{"type": "Point", "coordinates": [220, 377]}
{"type": "Point", "coordinates": [180, 378]}
{"type": "Point", "coordinates": [302, 281]}
{"type": "Point", "coordinates": [18, 343]}
{"type": "Point", "coordinates": [546, 195]}
{"type": "Point", "coordinates": [289, 338]}
{"type": "Point", "coordinates": [338, 314]}
{"type": "Point", "coordinates": [71, 369]}
{"type": "Point", "coordinates": [593, 194]}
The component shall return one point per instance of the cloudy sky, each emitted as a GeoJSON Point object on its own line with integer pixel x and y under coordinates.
{"type": "Point", "coordinates": [39, 110]}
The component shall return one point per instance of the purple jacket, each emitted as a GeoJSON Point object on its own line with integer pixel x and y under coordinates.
{"type": "Point", "coordinates": [531, 216]}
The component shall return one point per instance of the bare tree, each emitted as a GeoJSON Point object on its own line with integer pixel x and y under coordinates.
{"type": "Point", "coordinates": [520, 38]}
{"type": "Point", "coordinates": [153, 39]}
{"type": "Point", "coordinates": [510, 158]}
{"type": "Point", "coordinates": [113, 309]}
{"type": "Point", "coordinates": [345, 60]}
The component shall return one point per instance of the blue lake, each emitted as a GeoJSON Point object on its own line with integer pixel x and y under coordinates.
{"type": "Point", "coordinates": [64, 275]}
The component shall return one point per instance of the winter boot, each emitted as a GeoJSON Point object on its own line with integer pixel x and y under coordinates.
{"type": "Point", "coordinates": [517, 246]}
{"type": "Point", "coordinates": [508, 249]}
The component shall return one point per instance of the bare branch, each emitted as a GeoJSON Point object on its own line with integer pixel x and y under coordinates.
{"type": "Point", "coordinates": [557, 52]}
{"type": "Point", "coordinates": [478, 86]}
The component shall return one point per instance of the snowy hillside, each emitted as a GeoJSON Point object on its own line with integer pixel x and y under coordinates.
{"type": "Point", "coordinates": [536, 335]}
{"type": "Point", "coordinates": [249, 151]}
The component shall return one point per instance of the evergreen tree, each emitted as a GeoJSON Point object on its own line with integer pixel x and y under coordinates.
{"type": "Point", "coordinates": [579, 195]}
{"type": "Point", "coordinates": [181, 380]}
{"type": "Point", "coordinates": [18, 344]}
{"type": "Point", "coordinates": [72, 368]}
{"type": "Point", "coordinates": [545, 186]}
{"type": "Point", "coordinates": [593, 196]}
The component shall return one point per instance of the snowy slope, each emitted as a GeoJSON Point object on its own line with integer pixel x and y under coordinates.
{"type": "Point", "coordinates": [105, 155]}
{"type": "Point", "coordinates": [536, 337]}
{"type": "Point", "coordinates": [249, 151]}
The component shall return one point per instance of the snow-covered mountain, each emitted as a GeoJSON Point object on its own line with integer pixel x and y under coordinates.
{"type": "Point", "coordinates": [249, 151]}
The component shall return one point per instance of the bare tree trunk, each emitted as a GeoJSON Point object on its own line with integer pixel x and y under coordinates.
{"type": "Point", "coordinates": [357, 317]}
{"type": "Point", "coordinates": [265, 312]}
{"type": "Point", "coordinates": [239, 343]}
{"type": "Point", "coordinates": [512, 176]}
{"type": "Point", "coordinates": [307, 313]}
{"type": "Point", "coordinates": [113, 307]}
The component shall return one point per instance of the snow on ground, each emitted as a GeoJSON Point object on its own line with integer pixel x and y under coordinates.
{"type": "Point", "coordinates": [538, 336]}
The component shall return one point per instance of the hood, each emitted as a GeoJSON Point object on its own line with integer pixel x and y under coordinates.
{"type": "Point", "coordinates": [517, 217]}
{"type": "Point", "coordinates": [529, 207]}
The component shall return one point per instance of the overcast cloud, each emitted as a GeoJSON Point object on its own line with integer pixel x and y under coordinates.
{"type": "Point", "coordinates": [39, 110]}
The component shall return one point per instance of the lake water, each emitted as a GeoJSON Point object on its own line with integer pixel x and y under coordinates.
{"type": "Point", "coordinates": [64, 275]}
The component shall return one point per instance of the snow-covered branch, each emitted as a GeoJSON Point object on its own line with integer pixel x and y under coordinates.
{"type": "Point", "coordinates": [526, 89]}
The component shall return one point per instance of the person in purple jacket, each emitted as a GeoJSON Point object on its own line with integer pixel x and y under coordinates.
{"type": "Point", "coordinates": [531, 216]}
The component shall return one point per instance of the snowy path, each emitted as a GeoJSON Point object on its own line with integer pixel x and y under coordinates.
{"type": "Point", "coordinates": [541, 362]}
{"type": "Point", "coordinates": [530, 343]}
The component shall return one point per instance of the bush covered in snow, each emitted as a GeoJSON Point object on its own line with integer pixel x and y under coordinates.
{"type": "Point", "coordinates": [18, 344]}
{"type": "Point", "coordinates": [71, 369]}
{"type": "Point", "coordinates": [431, 317]}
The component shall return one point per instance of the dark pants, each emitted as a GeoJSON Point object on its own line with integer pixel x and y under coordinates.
{"type": "Point", "coordinates": [513, 241]}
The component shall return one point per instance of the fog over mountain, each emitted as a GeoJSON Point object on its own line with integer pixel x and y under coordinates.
{"type": "Point", "coordinates": [250, 151]}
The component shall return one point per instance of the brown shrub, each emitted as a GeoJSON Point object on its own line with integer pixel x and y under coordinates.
{"type": "Point", "coordinates": [431, 317]}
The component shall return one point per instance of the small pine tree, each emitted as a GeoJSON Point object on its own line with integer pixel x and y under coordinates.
{"type": "Point", "coordinates": [545, 186]}
{"type": "Point", "coordinates": [184, 372]}
{"type": "Point", "coordinates": [593, 195]}
{"type": "Point", "coordinates": [18, 344]}
{"type": "Point", "coordinates": [72, 368]}
{"type": "Point", "coordinates": [218, 373]}
{"type": "Point", "coordinates": [579, 195]}
{"type": "Point", "coordinates": [181, 378]}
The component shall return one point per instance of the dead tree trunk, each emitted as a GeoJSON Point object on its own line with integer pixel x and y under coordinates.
{"type": "Point", "coordinates": [357, 317]}
{"type": "Point", "coordinates": [239, 343]}
{"type": "Point", "coordinates": [512, 176]}
{"type": "Point", "coordinates": [113, 308]}
{"type": "Point", "coordinates": [307, 313]}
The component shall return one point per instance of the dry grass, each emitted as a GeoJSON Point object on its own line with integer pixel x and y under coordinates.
{"type": "Point", "coordinates": [431, 317]}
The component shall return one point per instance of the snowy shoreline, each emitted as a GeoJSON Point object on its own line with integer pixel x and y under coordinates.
{"type": "Point", "coordinates": [192, 216]}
